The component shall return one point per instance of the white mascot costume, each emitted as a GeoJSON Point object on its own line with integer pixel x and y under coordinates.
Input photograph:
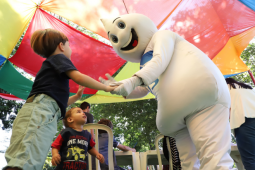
{"type": "Point", "coordinates": [193, 98]}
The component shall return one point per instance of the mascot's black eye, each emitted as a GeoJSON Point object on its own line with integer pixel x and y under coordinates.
{"type": "Point", "coordinates": [121, 25]}
{"type": "Point", "coordinates": [114, 39]}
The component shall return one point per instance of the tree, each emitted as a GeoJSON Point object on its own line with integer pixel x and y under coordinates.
{"type": "Point", "coordinates": [248, 58]}
{"type": "Point", "coordinates": [134, 122]}
{"type": "Point", "coordinates": [6, 108]}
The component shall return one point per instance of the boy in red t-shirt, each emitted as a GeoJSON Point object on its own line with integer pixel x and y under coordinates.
{"type": "Point", "coordinates": [69, 150]}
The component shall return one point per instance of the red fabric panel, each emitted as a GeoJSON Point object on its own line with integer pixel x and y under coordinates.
{"type": "Point", "coordinates": [157, 11]}
{"type": "Point", "coordinates": [235, 16]}
{"type": "Point", "coordinates": [197, 22]}
{"type": "Point", "coordinates": [9, 97]}
{"type": "Point", "coordinates": [90, 56]}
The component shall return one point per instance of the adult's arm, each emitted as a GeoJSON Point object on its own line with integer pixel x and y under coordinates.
{"type": "Point", "coordinates": [139, 92]}
{"type": "Point", "coordinates": [125, 148]}
{"type": "Point", "coordinates": [162, 43]}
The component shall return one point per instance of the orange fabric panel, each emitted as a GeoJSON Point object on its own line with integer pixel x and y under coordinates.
{"type": "Point", "coordinates": [86, 13]}
{"type": "Point", "coordinates": [241, 41]}
{"type": "Point", "coordinates": [235, 16]}
{"type": "Point", "coordinates": [228, 61]}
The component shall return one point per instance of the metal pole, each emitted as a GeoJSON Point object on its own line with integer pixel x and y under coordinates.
{"type": "Point", "coordinates": [249, 71]}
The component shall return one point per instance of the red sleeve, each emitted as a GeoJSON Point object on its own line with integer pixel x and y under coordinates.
{"type": "Point", "coordinates": [57, 143]}
{"type": "Point", "coordinates": [91, 143]}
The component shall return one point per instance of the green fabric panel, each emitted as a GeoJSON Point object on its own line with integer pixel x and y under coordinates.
{"type": "Point", "coordinates": [13, 82]}
{"type": "Point", "coordinates": [84, 95]}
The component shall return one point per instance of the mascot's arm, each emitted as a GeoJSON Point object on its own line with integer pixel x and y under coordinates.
{"type": "Point", "coordinates": [139, 92]}
{"type": "Point", "coordinates": [162, 44]}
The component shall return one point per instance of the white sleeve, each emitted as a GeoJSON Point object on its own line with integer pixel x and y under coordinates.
{"type": "Point", "coordinates": [162, 44]}
{"type": "Point", "coordinates": [139, 92]}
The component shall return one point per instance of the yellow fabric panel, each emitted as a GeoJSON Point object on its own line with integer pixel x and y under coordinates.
{"type": "Point", "coordinates": [14, 18]}
{"type": "Point", "coordinates": [103, 97]}
{"type": "Point", "coordinates": [97, 99]}
{"type": "Point", "coordinates": [228, 61]}
{"type": "Point", "coordinates": [127, 71]}
{"type": "Point", "coordinates": [241, 41]}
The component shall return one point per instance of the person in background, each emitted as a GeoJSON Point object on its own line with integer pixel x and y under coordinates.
{"type": "Point", "coordinates": [103, 145]}
{"type": "Point", "coordinates": [85, 106]}
{"type": "Point", "coordinates": [242, 120]}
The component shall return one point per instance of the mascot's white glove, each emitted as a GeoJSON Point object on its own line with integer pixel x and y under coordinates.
{"type": "Point", "coordinates": [125, 87]}
{"type": "Point", "coordinates": [107, 82]}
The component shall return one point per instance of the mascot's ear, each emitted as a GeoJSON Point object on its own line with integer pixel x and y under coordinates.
{"type": "Point", "coordinates": [107, 23]}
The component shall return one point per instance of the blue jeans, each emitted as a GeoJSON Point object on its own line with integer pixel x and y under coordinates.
{"type": "Point", "coordinates": [245, 138]}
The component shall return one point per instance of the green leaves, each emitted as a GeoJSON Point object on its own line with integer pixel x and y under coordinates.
{"type": "Point", "coordinates": [248, 58]}
{"type": "Point", "coordinates": [6, 108]}
{"type": "Point", "coordinates": [134, 122]}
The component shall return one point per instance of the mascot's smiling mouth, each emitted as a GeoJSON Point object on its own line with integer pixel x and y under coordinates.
{"type": "Point", "coordinates": [132, 42]}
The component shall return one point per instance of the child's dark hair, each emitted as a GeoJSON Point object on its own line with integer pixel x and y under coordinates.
{"type": "Point", "coordinates": [68, 114]}
{"type": "Point", "coordinates": [105, 122]}
{"type": "Point", "coordinates": [44, 42]}
{"type": "Point", "coordinates": [232, 83]}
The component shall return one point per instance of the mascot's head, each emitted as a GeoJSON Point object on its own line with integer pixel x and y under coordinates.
{"type": "Point", "coordinates": [130, 35]}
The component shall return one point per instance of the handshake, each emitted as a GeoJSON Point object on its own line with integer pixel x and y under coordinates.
{"type": "Point", "coordinates": [124, 87]}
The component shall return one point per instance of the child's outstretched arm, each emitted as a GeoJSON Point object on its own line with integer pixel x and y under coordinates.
{"type": "Point", "coordinates": [56, 158]}
{"type": "Point", "coordinates": [77, 96]}
{"type": "Point", "coordinates": [95, 153]}
{"type": "Point", "coordinates": [87, 81]}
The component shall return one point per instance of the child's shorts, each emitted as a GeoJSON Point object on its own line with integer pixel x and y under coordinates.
{"type": "Point", "coordinates": [33, 131]}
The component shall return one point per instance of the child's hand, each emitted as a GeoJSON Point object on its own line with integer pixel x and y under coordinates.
{"type": "Point", "coordinates": [56, 159]}
{"type": "Point", "coordinates": [100, 157]}
{"type": "Point", "coordinates": [133, 150]}
{"type": "Point", "coordinates": [110, 88]}
{"type": "Point", "coordinates": [80, 91]}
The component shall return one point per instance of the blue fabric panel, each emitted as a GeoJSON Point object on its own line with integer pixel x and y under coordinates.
{"type": "Point", "coordinates": [2, 59]}
{"type": "Point", "coordinates": [230, 75]}
{"type": "Point", "coordinates": [249, 3]}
